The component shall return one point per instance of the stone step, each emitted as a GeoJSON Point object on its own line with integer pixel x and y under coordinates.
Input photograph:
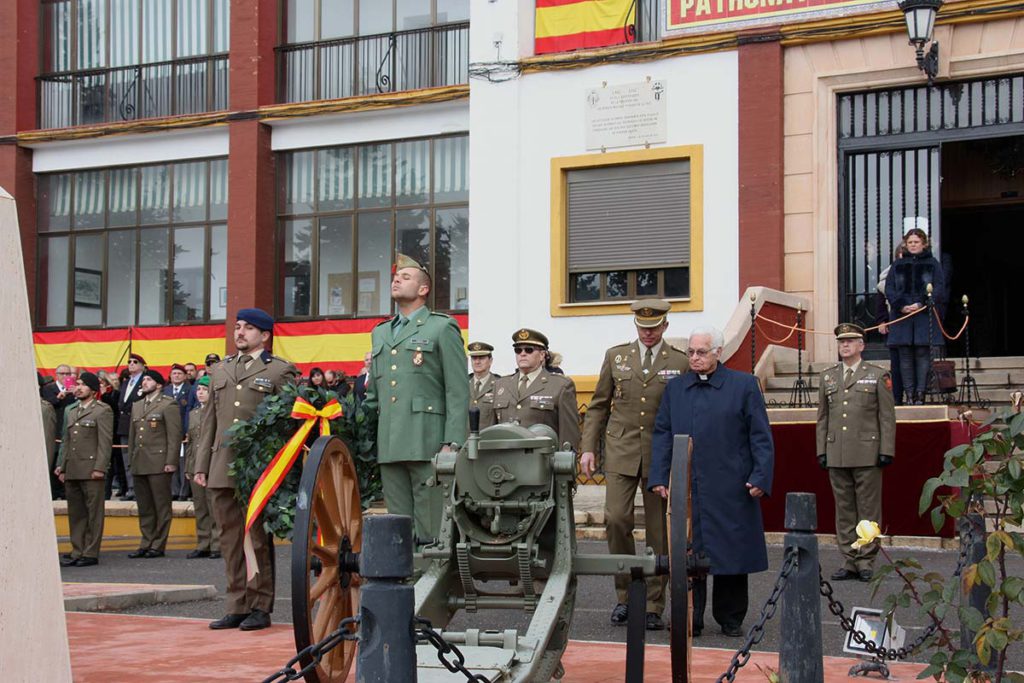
{"type": "Point", "coordinates": [987, 363]}
{"type": "Point", "coordinates": [995, 396]}
{"type": "Point", "coordinates": [995, 379]}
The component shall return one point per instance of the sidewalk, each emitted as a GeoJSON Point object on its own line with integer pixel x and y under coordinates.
{"type": "Point", "coordinates": [100, 597]}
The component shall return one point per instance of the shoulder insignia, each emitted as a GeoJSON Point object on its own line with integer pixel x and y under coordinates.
{"type": "Point", "coordinates": [676, 348]}
{"type": "Point", "coordinates": [225, 359]}
{"type": "Point", "coordinates": [441, 315]}
{"type": "Point", "coordinates": [385, 320]}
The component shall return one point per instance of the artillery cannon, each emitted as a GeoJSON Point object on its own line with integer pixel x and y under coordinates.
{"type": "Point", "coordinates": [507, 541]}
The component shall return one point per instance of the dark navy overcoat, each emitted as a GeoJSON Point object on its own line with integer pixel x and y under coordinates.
{"type": "Point", "coordinates": [726, 418]}
{"type": "Point", "coordinates": [907, 283]}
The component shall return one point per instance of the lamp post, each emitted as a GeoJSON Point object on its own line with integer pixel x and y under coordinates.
{"type": "Point", "coordinates": [920, 18]}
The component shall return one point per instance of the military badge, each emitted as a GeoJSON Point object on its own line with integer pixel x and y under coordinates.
{"type": "Point", "coordinates": [888, 382]}
{"type": "Point", "coordinates": [618, 359]}
{"type": "Point", "coordinates": [263, 382]}
{"type": "Point", "coordinates": [501, 390]}
{"type": "Point", "coordinates": [417, 358]}
{"type": "Point", "coordinates": [523, 334]}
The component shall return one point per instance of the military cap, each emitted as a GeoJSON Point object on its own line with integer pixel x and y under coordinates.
{"type": "Point", "coordinates": [403, 261]}
{"type": "Point", "coordinates": [135, 356]}
{"type": "Point", "coordinates": [849, 331]}
{"type": "Point", "coordinates": [90, 380]}
{"type": "Point", "coordinates": [531, 337]}
{"type": "Point", "coordinates": [203, 381]}
{"type": "Point", "coordinates": [155, 376]}
{"type": "Point", "coordinates": [256, 317]}
{"type": "Point", "coordinates": [212, 358]}
{"type": "Point", "coordinates": [177, 366]}
{"type": "Point", "coordinates": [650, 312]}
{"type": "Point", "coordinates": [480, 349]}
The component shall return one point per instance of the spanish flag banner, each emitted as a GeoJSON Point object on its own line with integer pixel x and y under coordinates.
{"type": "Point", "coordinates": [563, 25]}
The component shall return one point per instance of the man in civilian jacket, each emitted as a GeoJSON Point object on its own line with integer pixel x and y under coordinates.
{"type": "Point", "coordinates": [130, 392]}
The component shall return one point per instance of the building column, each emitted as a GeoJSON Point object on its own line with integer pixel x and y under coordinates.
{"type": "Point", "coordinates": [19, 62]}
{"type": "Point", "coordinates": [761, 225]}
{"type": "Point", "coordinates": [251, 184]}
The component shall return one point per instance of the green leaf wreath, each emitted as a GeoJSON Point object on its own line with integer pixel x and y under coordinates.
{"type": "Point", "coordinates": [256, 441]}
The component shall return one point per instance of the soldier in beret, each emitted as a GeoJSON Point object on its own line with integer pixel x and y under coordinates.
{"type": "Point", "coordinates": [856, 438]}
{"type": "Point", "coordinates": [207, 531]}
{"type": "Point", "coordinates": [419, 394]}
{"type": "Point", "coordinates": [534, 395]}
{"type": "Point", "coordinates": [153, 452]}
{"type": "Point", "coordinates": [621, 415]}
{"type": "Point", "coordinates": [481, 380]}
{"type": "Point", "coordinates": [82, 467]}
{"type": "Point", "coordinates": [238, 384]}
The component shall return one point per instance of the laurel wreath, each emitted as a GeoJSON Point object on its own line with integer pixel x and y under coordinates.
{"type": "Point", "coordinates": [257, 440]}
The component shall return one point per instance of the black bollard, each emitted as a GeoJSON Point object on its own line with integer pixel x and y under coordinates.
{"type": "Point", "coordinates": [976, 596]}
{"type": "Point", "coordinates": [387, 640]}
{"type": "Point", "coordinates": [800, 657]}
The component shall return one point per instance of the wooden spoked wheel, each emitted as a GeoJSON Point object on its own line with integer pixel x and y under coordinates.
{"type": "Point", "coordinates": [328, 529]}
{"type": "Point", "coordinates": [679, 536]}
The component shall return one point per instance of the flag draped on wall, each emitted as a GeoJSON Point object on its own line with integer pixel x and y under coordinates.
{"type": "Point", "coordinates": [574, 24]}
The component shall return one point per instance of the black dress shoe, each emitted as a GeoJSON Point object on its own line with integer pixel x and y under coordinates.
{"type": "Point", "coordinates": [653, 622]}
{"type": "Point", "coordinates": [733, 631]}
{"type": "Point", "coordinates": [67, 556]}
{"type": "Point", "coordinates": [256, 620]}
{"type": "Point", "coordinates": [141, 552]}
{"type": "Point", "coordinates": [215, 555]}
{"type": "Point", "coordinates": [68, 561]}
{"type": "Point", "coordinates": [228, 621]}
{"type": "Point", "coordinates": [620, 615]}
{"type": "Point", "coordinates": [154, 553]}
{"type": "Point", "coordinates": [86, 562]}
{"type": "Point", "coordinates": [128, 496]}
{"type": "Point", "coordinates": [197, 554]}
{"type": "Point", "coordinates": [844, 575]}
{"type": "Point", "coordinates": [865, 575]}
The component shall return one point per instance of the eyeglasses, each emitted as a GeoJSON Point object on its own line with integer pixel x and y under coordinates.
{"type": "Point", "coordinates": [700, 353]}
{"type": "Point", "coordinates": [526, 350]}
{"type": "Point", "coordinates": [132, 361]}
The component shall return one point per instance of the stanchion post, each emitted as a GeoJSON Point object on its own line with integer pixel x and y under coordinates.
{"type": "Point", "coordinates": [800, 654]}
{"type": "Point", "coordinates": [969, 393]}
{"type": "Point", "coordinates": [929, 304]}
{"type": "Point", "coordinates": [387, 639]}
{"type": "Point", "coordinates": [753, 333]}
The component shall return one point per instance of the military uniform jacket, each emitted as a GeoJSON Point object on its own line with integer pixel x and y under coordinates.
{"type": "Point", "coordinates": [418, 389]}
{"type": "Point", "coordinates": [549, 400]}
{"type": "Point", "coordinates": [856, 419]}
{"type": "Point", "coordinates": [483, 399]}
{"type": "Point", "coordinates": [625, 404]}
{"type": "Point", "coordinates": [49, 429]}
{"type": "Point", "coordinates": [86, 440]}
{"type": "Point", "coordinates": [155, 438]}
{"type": "Point", "coordinates": [235, 393]}
{"type": "Point", "coordinates": [195, 424]}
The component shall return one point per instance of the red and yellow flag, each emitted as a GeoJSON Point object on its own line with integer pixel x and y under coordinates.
{"type": "Point", "coordinates": [563, 25]}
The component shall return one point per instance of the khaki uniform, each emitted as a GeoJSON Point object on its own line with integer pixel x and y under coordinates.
{"type": "Point", "coordinates": [85, 448]}
{"type": "Point", "coordinates": [622, 414]}
{"type": "Point", "coordinates": [153, 443]}
{"type": "Point", "coordinates": [550, 399]}
{"type": "Point", "coordinates": [207, 532]}
{"type": "Point", "coordinates": [236, 390]}
{"type": "Point", "coordinates": [484, 397]}
{"type": "Point", "coordinates": [856, 424]}
{"type": "Point", "coordinates": [49, 433]}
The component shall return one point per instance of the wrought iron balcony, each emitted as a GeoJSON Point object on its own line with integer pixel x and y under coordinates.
{"type": "Point", "coordinates": [363, 65]}
{"type": "Point", "coordinates": [183, 86]}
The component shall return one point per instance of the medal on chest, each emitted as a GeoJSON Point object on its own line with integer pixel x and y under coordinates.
{"type": "Point", "coordinates": [417, 358]}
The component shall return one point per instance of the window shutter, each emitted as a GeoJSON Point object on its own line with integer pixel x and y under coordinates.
{"type": "Point", "coordinates": [629, 217]}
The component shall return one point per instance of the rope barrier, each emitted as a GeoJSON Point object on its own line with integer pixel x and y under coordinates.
{"type": "Point", "coordinates": [773, 340]}
{"type": "Point", "coordinates": [794, 328]}
{"type": "Point", "coordinates": [943, 329]}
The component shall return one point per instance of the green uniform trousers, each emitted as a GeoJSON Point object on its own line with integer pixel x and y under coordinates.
{"type": "Point", "coordinates": [85, 515]}
{"type": "Point", "coordinates": [153, 494]}
{"type": "Point", "coordinates": [243, 596]}
{"type": "Point", "coordinates": [858, 494]}
{"type": "Point", "coordinates": [207, 531]}
{"type": "Point", "coordinates": [619, 521]}
{"type": "Point", "coordinates": [406, 493]}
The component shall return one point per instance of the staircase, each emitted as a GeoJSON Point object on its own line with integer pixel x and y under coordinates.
{"type": "Point", "coordinates": [997, 377]}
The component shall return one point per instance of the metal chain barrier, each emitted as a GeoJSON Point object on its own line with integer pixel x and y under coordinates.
{"type": "Point", "coordinates": [316, 652]}
{"type": "Point", "coordinates": [425, 632]}
{"type": "Point", "coordinates": [756, 633]}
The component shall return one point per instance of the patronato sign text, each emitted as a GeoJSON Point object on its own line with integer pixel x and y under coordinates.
{"type": "Point", "coordinates": [688, 13]}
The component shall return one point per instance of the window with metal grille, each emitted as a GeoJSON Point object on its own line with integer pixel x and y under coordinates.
{"type": "Point", "coordinates": [629, 232]}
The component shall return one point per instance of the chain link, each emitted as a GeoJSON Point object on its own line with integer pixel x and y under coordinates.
{"type": "Point", "coordinates": [756, 633]}
{"type": "Point", "coordinates": [426, 633]}
{"type": "Point", "coordinates": [316, 652]}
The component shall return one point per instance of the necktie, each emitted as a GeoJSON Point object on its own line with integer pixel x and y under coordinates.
{"type": "Point", "coordinates": [476, 389]}
{"type": "Point", "coordinates": [397, 325]}
{"type": "Point", "coordinates": [648, 359]}
{"type": "Point", "coordinates": [523, 381]}
{"type": "Point", "coordinates": [244, 360]}
{"type": "Point", "coordinates": [848, 375]}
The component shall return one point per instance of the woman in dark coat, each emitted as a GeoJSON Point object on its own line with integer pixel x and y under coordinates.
{"type": "Point", "coordinates": [906, 290]}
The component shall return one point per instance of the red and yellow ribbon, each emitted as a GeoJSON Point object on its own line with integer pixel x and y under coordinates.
{"type": "Point", "coordinates": [282, 463]}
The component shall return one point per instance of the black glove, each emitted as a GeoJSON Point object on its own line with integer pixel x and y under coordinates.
{"type": "Point", "coordinates": [884, 460]}
{"type": "Point", "coordinates": [823, 462]}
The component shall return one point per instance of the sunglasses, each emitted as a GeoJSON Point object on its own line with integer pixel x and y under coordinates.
{"type": "Point", "coordinates": [527, 350]}
{"type": "Point", "coordinates": [132, 361]}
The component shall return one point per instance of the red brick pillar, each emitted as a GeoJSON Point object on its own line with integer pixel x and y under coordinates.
{"type": "Point", "coordinates": [19, 62]}
{"type": "Point", "coordinates": [761, 229]}
{"type": "Point", "coordinates": [251, 185]}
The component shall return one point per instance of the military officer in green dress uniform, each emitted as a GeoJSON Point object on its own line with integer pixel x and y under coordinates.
{"type": "Point", "coordinates": [238, 384]}
{"type": "Point", "coordinates": [207, 531]}
{"type": "Point", "coordinates": [481, 380]}
{"type": "Point", "coordinates": [82, 467]}
{"type": "Point", "coordinates": [621, 414]}
{"type": "Point", "coordinates": [153, 447]}
{"type": "Point", "coordinates": [533, 395]}
{"type": "Point", "coordinates": [419, 395]}
{"type": "Point", "coordinates": [856, 438]}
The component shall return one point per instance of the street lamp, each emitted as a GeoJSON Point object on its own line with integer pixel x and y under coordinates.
{"type": "Point", "coordinates": [920, 17]}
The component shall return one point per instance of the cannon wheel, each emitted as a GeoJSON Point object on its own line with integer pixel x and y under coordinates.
{"type": "Point", "coordinates": [679, 509]}
{"type": "Point", "coordinates": [328, 525]}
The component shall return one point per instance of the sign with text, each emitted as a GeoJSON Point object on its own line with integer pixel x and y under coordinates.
{"type": "Point", "coordinates": [684, 14]}
{"type": "Point", "coordinates": [626, 115]}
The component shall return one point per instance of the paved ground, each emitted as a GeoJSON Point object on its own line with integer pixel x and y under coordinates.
{"type": "Point", "coordinates": [595, 596]}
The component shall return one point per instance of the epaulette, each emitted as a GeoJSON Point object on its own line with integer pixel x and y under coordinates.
{"type": "Point", "coordinates": [441, 315]}
{"type": "Point", "coordinates": [673, 346]}
{"type": "Point", "coordinates": [623, 344]}
{"type": "Point", "coordinates": [385, 320]}
{"type": "Point", "coordinates": [225, 359]}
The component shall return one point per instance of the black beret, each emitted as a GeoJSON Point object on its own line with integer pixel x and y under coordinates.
{"type": "Point", "coordinates": [90, 380]}
{"type": "Point", "coordinates": [155, 376]}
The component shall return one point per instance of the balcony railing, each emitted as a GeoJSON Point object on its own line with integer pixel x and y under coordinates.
{"type": "Point", "coordinates": [182, 86]}
{"type": "Point", "coordinates": [364, 65]}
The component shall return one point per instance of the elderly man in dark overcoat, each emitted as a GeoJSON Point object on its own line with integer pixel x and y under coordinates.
{"type": "Point", "coordinates": [723, 411]}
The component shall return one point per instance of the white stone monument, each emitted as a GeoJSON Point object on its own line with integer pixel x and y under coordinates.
{"type": "Point", "coordinates": [33, 633]}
